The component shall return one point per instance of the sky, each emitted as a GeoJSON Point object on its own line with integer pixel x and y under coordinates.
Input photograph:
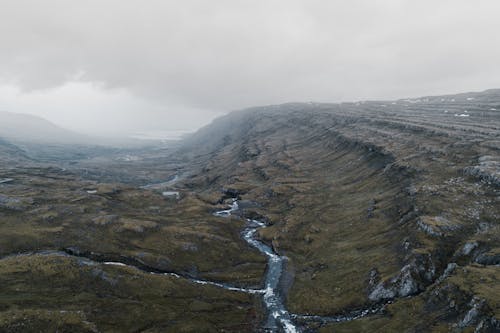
{"type": "Point", "coordinates": [132, 66]}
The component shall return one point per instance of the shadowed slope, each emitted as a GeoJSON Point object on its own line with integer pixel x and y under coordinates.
{"type": "Point", "coordinates": [371, 200]}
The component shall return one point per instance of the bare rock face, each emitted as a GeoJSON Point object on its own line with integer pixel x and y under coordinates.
{"type": "Point", "coordinates": [436, 226]}
{"type": "Point", "coordinates": [448, 271]}
{"type": "Point", "coordinates": [488, 259]}
{"type": "Point", "coordinates": [469, 247]}
{"type": "Point", "coordinates": [479, 316]}
{"type": "Point", "coordinates": [381, 293]}
{"type": "Point", "coordinates": [411, 280]}
{"type": "Point", "coordinates": [472, 316]}
{"type": "Point", "coordinates": [487, 170]}
{"type": "Point", "coordinates": [14, 203]}
{"type": "Point", "coordinates": [8, 202]}
{"type": "Point", "coordinates": [408, 285]}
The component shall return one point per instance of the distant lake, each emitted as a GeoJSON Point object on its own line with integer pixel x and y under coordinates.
{"type": "Point", "coordinates": [161, 135]}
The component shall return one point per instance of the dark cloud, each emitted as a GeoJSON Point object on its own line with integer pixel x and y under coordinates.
{"type": "Point", "coordinates": [213, 56]}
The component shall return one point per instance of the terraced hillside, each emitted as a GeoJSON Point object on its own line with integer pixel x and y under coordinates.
{"type": "Point", "coordinates": [387, 212]}
{"type": "Point", "coordinates": [372, 202]}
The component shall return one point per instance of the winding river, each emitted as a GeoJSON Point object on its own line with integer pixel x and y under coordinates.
{"type": "Point", "coordinates": [278, 318]}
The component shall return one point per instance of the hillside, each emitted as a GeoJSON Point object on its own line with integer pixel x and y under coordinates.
{"type": "Point", "coordinates": [372, 202]}
{"type": "Point", "coordinates": [11, 154]}
{"type": "Point", "coordinates": [28, 128]}
{"type": "Point", "coordinates": [385, 215]}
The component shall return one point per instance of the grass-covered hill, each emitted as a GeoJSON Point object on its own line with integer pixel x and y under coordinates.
{"type": "Point", "coordinates": [391, 203]}
{"type": "Point", "coordinates": [372, 201]}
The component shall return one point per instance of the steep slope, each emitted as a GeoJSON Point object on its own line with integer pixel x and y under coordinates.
{"type": "Point", "coordinates": [371, 201]}
{"type": "Point", "coordinates": [11, 154]}
{"type": "Point", "coordinates": [387, 209]}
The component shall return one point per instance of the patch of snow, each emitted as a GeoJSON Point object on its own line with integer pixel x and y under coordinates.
{"type": "Point", "coordinates": [461, 115]}
{"type": "Point", "coordinates": [470, 98]}
{"type": "Point", "coordinates": [92, 191]}
{"type": "Point", "coordinates": [169, 194]}
{"type": "Point", "coordinates": [113, 263]}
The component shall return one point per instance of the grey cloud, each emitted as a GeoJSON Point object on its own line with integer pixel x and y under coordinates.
{"type": "Point", "coordinates": [228, 54]}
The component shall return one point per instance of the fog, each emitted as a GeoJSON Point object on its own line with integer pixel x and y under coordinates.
{"type": "Point", "coordinates": [129, 66]}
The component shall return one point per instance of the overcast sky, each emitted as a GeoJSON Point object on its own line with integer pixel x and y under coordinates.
{"type": "Point", "coordinates": [134, 65]}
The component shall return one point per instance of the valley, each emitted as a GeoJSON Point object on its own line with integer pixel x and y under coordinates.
{"type": "Point", "coordinates": [383, 216]}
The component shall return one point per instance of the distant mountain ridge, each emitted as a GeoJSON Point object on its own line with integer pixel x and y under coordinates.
{"type": "Point", "coordinates": [26, 128]}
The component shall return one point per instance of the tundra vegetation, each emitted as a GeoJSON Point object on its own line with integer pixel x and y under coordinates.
{"type": "Point", "coordinates": [392, 205]}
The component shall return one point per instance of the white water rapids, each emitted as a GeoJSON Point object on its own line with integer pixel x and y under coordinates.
{"type": "Point", "coordinates": [278, 317]}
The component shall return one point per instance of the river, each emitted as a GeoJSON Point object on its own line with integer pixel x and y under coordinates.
{"type": "Point", "coordinates": [278, 318]}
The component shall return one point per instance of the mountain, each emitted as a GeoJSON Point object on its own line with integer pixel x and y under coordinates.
{"type": "Point", "coordinates": [374, 202]}
{"type": "Point", "coordinates": [371, 216]}
{"type": "Point", "coordinates": [29, 128]}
